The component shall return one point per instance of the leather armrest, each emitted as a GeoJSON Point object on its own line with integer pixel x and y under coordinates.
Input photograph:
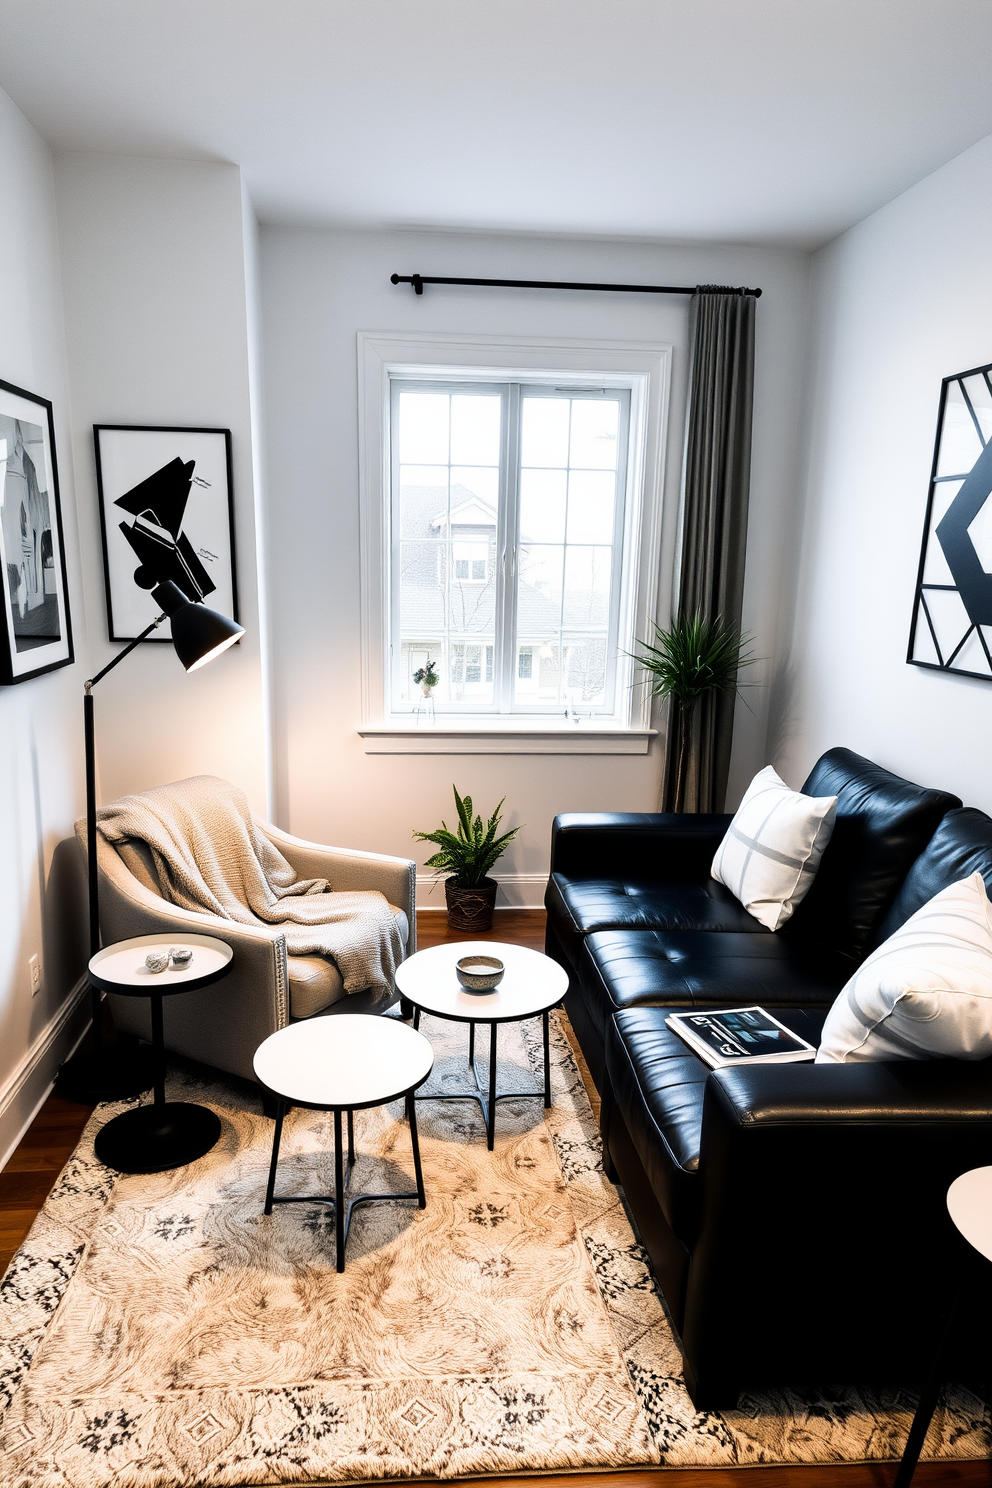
{"type": "Point", "coordinates": [617, 844]}
{"type": "Point", "coordinates": [893, 1092]}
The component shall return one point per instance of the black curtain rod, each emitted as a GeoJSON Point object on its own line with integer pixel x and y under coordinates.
{"type": "Point", "coordinates": [419, 280]}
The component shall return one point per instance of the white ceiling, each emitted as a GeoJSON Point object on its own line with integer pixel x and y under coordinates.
{"type": "Point", "coordinates": [760, 120]}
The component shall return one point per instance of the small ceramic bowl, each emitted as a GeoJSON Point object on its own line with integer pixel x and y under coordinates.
{"type": "Point", "coordinates": [180, 958]}
{"type": "Point", "coordinates": [157, 961]}
{"type": "Point", "coordinates": [479, 973]}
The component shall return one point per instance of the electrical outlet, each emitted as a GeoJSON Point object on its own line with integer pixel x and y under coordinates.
{"type": "Point", "coordinates": [34, 968]}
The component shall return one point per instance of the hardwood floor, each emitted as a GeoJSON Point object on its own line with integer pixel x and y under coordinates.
{"type": "Point", "coordinates": [46, 1146]}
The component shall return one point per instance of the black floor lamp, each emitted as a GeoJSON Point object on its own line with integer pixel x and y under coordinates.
{"type": "Point", "coordinates": [105, 1072]}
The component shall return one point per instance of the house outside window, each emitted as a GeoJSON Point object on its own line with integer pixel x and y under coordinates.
{"type": "Point", "coordinates": [507, 547]}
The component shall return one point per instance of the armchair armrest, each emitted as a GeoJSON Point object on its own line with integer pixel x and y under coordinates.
{"type": "Point", "coordinates": [350, 868]}
{"type": "Point", "coordinates": [624, 844]}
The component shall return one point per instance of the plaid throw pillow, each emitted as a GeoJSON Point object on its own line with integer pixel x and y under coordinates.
{"type": "Point", "coordinates": [926, 993]}
{"type": "Point", "coordinates": [773, 847]}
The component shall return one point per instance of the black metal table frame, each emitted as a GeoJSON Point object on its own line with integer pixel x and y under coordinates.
{"type": "Point", "coordinates": [166, 1134]}
{"type": "Point", "coordinates": [342, 1204]}
{"type": "Point", "coordinates": [487, 1098]}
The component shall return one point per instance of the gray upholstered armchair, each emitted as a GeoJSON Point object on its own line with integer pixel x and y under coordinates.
{"type": "Point", "coordinates": [265, 989]}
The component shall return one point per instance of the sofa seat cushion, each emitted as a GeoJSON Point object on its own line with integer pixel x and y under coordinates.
{"type": "Point", "coordinates": [657, 1088]}
{"type": "Point", "coordinates": [702, 968]}
{"type": "Point", "coordinates": [581, 906]}
{"type": "Point", "coordinates": [315, 982]}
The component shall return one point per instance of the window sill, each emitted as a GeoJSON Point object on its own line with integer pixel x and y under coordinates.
{"type": "Point", "coordinates": [505, 738]}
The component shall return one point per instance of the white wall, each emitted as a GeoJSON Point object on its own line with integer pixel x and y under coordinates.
{"type": "Point", "coordinates": [41, 787]}
{"type": "Point", "coordinates": [154, 267]}
{"type": "Point", "coordinates": [902, 300]}
{"type": "Point", "coordinates": [319, 287]}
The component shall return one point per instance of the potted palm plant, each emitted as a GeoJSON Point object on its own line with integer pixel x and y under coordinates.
{"type": "Point", "coordinates": [690, 659]}
{"type": "Point", "coordinates": [466, 856]}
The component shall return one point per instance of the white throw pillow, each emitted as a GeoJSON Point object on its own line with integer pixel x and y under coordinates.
{"type": "Point", "coordinates": [926, 993]}
{"type": "Point", "coordinates": [773, 847]}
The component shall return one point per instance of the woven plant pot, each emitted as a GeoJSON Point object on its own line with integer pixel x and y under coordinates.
{"type": "Point", "coordinates": [471, 909]}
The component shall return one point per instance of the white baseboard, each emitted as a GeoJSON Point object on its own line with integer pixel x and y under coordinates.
{"type": "Point", "coordinates": [26, 1089]}
{"type": "Point", "coordinates": [516, 891]}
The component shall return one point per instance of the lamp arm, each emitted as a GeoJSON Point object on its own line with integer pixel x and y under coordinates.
{"type": "Point", "coordinates": [90, 749]}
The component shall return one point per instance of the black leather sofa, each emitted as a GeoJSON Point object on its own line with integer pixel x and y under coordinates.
{"type": "Point", "coordinates": [794, 1215]}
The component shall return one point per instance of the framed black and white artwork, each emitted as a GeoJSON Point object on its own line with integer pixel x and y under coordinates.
{"type": "Point", "coordinates": [35, 628]}
{"type": "Point", "coordinates": [952, 612]}
{"type": "Point", "coordinates": [166, 512]}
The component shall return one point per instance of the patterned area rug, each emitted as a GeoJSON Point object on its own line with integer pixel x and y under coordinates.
{"type": "Point", "coordinates": [159, 1331]}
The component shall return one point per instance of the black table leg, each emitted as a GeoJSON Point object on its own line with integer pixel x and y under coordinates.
{"type": "Point", "coordinates": [416, 1019]}
{"type": "Point", "coordinates": [164, 1135]}
{"type": "Point", "coordinates": [491, 1113]}
{"type": "Point", "coordinates": [351, 1139]}
{"type": "Point", "coordinates": [339, 1215]}
{"type": "Point", "coordinates": [471, 1043]}
{"type": "Point", "coordinates": [277, 1137]}
{"type": "Point", "coordinates": [546, 1019]}
{"type": "Point", "coordinates": [929, 1396]}
{"type": "Point", "coordinates": [411, 1114]}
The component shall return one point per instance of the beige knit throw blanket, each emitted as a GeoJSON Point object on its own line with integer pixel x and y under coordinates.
{"type": "Point", "coordinates": [212, 857]}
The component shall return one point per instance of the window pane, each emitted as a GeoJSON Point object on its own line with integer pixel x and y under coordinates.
{"type": "Point", "coordinates": [470, 672]}
{"type": "Point", "coordinates": [584, 679]}
{"type": "Point", "coordinates": [587, 587]}
{"type": "Point", "coordinates": [474, 496]}
{"type": "Point", "coordinates": [423, 499]}
{"type": "Point", "coordinates": [539, 590]}
{"type": "Point", "coordinates": [542, 505]}
{"type": "Point", "coordinates": [594, 433]}
{"type": "Point", "coordinates": [424, 428]}
{"type": "Point", "coordinates": [590, 506]}
{"type": "Point", "coordinates": [544, 433]}
{"type": "Point", "coordinates": [472, 592]}
{"type": "Point", "coordinates": [414, 654]}
{"type": "Point", "coordinates": [422, 587]}
{"type": "Point", "coordinates": [537, 672]}
{"type": "Point", "coordinates": [475, 429]}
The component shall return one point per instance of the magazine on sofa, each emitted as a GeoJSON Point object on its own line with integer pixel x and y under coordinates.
{"type": "Point", "coordinates": [740, 1036]}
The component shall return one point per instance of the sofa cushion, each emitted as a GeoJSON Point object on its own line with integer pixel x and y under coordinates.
{"type": "Point", "coordinates": [961, 846]}
{"type": "Point", "coordinates": [926, 993]}
{"type": "Point", "coordinates": [701, 968]}
{"type": "Point", "coordinates": [773, 847]}
{"type": "Point", "coordinates": [657, 1088]}
{"type": "Point", "coordinates": [315, 982]}
{"type": "Point", "coordinates": [883, 824]}
{"type": "Point", "coordinates": [580, 907]}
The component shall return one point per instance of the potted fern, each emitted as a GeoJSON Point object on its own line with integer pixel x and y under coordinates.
{"type": "Point", "coordinates": [691, 659]}
{"type": "Point", "coordinates": [466, 856]}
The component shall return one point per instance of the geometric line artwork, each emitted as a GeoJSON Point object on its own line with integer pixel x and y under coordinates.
{"type": "Point", "coordinates": [952, 610]}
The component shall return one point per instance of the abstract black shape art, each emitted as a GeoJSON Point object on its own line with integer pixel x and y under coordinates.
{"type": "Point", "coordinates": [952, 614]}
{"type": "Point", "coordinates": [158, 505]}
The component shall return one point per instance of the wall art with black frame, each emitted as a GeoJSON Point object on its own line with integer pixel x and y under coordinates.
{"type": "Point", "coordinates": [166, 512]}
{"type": "Point", "coordinates": [35, 628]}
{"type": "Point", "coordinates": [952, 613]}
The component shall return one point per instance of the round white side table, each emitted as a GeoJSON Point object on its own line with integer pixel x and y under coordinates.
{"type": "Point", "coordinates": [166, 1134]}
{"type": "Point", "coordinates": [343, 1063]}
{"type": "Point", "coordinates": [532, 985]}
{"type": "Point", "coordinates": [969, 1203]}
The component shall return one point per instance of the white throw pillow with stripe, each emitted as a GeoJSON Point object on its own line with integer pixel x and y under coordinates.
{"type": "Point", "coordinates": [773, 847]}
{"type": "Point", "coordinates": [926, 993]}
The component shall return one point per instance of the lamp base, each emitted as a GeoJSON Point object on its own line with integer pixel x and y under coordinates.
{"type": "Point", "coordinates": [153, 1139]}
{"type": "Point", "coordinates": [106, 1074]}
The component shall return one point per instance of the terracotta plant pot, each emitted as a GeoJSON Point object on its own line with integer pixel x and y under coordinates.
{"type": "Point", "coordinates": [471, 909]}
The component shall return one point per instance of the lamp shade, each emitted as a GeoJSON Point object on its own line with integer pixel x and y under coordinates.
{"type": "Point", "coordinates": [198, 633]}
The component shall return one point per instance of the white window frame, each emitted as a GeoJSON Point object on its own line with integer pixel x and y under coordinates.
{"type": "Point", "coordinates": [642, 368]}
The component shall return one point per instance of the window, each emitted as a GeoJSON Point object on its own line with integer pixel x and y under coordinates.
{"type": "Point", "coordinates": [507, 507]}
{"type": "Point", "coordinates": [511, 525]}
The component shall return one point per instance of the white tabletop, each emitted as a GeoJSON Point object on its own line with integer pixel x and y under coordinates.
{"type": "Point", "coordinates": [969, 1203]}
{"type": "Point", "coordinates": [122, 966]}
{"type": "Point", "coordinates": [348, 1060]}
{"type": "Point", "coordinates": [531, 984]}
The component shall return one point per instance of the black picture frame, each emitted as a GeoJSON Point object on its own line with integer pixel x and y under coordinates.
{"type": "Point", "coordinates": [951, 629]}
{"type": "Point", "coordinates": [128, 456]}
{"type": "Point", "coordinates": [35, 622]}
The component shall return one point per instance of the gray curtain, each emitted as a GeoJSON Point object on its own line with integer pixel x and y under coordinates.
{"type": "Point", "coordinates": [716, 472]}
